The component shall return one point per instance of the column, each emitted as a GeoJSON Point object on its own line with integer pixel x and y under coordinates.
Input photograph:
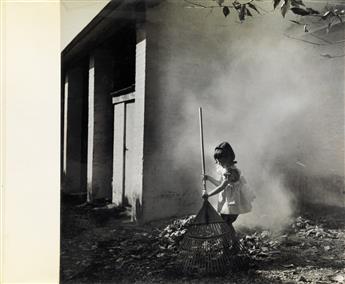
{"type": "Point", "coordinates": [100, 127]}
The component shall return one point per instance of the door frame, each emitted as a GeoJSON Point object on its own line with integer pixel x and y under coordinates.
{"type": "Point", "coordinates": [116, 100]}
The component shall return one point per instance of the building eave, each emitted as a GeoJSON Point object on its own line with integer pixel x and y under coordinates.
{"type": "Point", "coordinates": [116, 14]}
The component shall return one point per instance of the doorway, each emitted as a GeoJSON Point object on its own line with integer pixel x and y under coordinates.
{"type": "Point", "coordinates": [124, 150]}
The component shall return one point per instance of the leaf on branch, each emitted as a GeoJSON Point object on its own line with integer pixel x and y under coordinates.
{"type": "Point", "coordinates": [326, 15]}
{"type": "Point", "coordinates": [226, 11]}
{"type": "Point", "coordinates": [300, 2]}
{"type": "Point", "coordinates": [285, 7]}
{"type": "Point", "coordinates": [237, 5]}
{"type": "Point", "coordinates": [297, 3]}
{"type": "Point", "coordinates": [220, 2]}
{"type": "Point", "coordinates": [312, 11]}
{"type": "Point", "coordinates": [242, 12]}
{"type": "Point", "coordinates": [248, 13]}
{"type": "Point", "coordinates": [275, 3]}
{"type": "Point", "coordinates": [252, 6]}
{"type": "Point", "coordinates": [296, 22]}
{"type": "Point", "coordinates": [299, 11]}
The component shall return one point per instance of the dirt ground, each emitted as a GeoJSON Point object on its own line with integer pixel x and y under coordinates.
{"type": "Point", "coordinates": [100, 245]}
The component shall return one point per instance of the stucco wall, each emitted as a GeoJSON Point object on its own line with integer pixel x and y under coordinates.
{"type": "Point", "coordinates": [275, 99]}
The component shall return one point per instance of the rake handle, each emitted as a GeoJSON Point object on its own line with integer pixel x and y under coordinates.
{"type": "Point", "coordinates": [202, 148]}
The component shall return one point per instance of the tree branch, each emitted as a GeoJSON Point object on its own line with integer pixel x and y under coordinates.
{"type": "Point", "coordinates": [332, 56]}
{"type": "Point", "coordinates": [320, 38]}
{"type": "Point", "coordinates": [201, 5]}
{"type": "Point", "coordinates": [304, 40]}
{"type": "Point", "coordinates": [219, 6]}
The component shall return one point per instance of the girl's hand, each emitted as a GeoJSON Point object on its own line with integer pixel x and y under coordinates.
{"type": "Point", "coordinates": [205, 177]}
{"type": "Point", "coordinates": [204, 194]}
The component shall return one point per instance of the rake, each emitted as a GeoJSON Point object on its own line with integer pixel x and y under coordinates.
{"type": "Point", "coordinates": [205, 248]}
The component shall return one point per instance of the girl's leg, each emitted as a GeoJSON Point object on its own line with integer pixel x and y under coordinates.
{"type": "Point", "coordinates": [231, 219]}
{"type": "Point", "coordinates": [226, 245]}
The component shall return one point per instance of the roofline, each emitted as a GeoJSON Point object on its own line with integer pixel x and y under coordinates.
{"type": "Point", "coordinates": [106, 11]}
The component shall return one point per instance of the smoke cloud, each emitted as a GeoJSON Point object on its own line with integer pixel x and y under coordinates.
{"type": "Point", "coordinates": [275, 100]}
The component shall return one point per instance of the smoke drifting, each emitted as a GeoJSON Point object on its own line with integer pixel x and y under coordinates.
{"type": "Point", "coordinates": [269, 96]}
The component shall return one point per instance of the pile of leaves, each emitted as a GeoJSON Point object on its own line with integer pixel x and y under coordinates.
{"type": "Point", "coordinates": [310, 249]}
{"type": "Point", "coordinates": [172, 234]}
{"type": "Point", "coordinates": [261, 244]}
{"type": "Point", "coordinates": [257, 244]}
{"type": "Point", "coordinates": [306, 228]}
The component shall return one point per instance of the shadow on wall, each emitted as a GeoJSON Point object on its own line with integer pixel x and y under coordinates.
{"type": "Point", "coordinates": [137, 209]}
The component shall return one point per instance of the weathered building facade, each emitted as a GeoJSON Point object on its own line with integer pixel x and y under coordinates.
{"type": "Point", "coordinates": [133, 78]}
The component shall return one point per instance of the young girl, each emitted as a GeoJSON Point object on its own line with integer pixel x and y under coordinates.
{"type": "Point", "coordinates": [235, 197]}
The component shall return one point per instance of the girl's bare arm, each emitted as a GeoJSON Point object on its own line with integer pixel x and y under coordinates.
{"type": "Point", "coordinates": [219, 188]}
{"type": "Point", "coordinates": [212, 180]}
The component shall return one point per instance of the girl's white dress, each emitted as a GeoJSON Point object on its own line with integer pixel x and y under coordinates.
{"type": "Point", "coordinates": [237, 197]}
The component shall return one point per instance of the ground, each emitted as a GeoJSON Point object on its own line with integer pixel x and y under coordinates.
{"type": "Point", "coordinates": [100, 245]}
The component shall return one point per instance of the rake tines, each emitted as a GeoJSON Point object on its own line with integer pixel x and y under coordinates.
{"type": "Point", "coordinates": [205, 248]}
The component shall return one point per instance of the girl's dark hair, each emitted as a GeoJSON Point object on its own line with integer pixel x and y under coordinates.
{"type": "Point", "coordinates": [224, 151]}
